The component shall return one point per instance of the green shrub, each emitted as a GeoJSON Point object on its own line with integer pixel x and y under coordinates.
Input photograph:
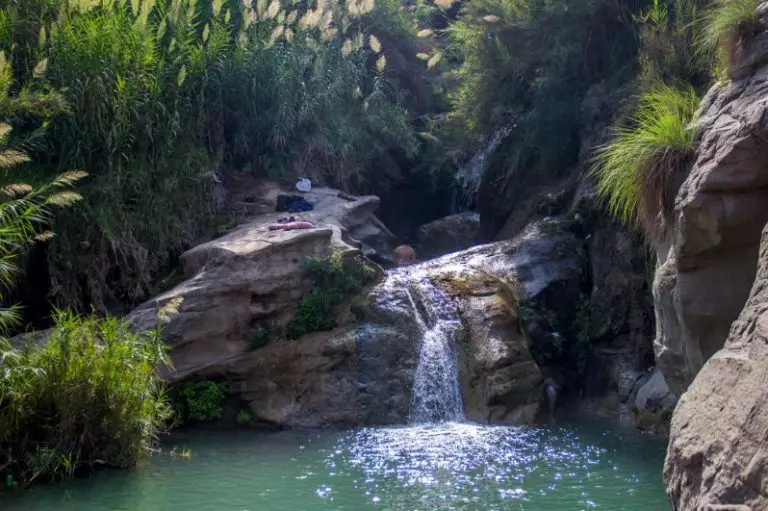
{"type": "Point", "coordinates": [201, 401]}
{"type": "Point", "coordinates": [667, 31]}
{"type": "Point", "coordinates": [243, 417]}
{"type": "Point", "coordinates": [726, 28]}
{"type": "Point", "coordinates": [637, 169]}
{"type": "Point", "coordinates": [87, 395]}
{"type": "Point", "coordinates": [334, 281]}
{"type": "Point", "coordinates": [258, 338]}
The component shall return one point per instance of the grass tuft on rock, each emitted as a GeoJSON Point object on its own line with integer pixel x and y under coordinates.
{"type": "Point", "coordinates": [637, 170]}
{"type": "Point", "coordinates": [726, 29]}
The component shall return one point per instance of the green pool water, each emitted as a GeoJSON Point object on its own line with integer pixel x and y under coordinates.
{"type": "Point", "coordinates": [443, 467]}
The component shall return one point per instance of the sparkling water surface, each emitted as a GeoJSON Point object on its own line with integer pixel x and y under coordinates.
{"type": "Point", "coordinates": [450, 466]}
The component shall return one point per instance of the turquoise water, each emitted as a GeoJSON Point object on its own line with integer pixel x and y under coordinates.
{"type": "Point", "coordinates": [443, 467]}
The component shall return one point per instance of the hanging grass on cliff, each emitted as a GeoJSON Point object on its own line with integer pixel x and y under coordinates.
{"type": "Point", "coordinates": [727, 28]}
{"type": "Point", "coordinates": [638, 169]}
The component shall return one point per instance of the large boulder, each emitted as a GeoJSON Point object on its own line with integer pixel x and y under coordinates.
{"type": "Point", "coordinates": [653, 393]}
{"type": "Point", "coordinates": [357, 375]}
{"type": "Point", "coordinates": [448, 234]}
{"type": "Point", "coordinates": [718, 450]}
{"type": "Point", "coordinates": [708, 260]}
{"type": "Point", "coordinates": [249, 280]}
{"type": "Point", "coordinates": [500, 379]}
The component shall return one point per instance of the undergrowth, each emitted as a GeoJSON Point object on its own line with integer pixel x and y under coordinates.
{"type": "Point", "coordinates": [88, 395]}
{"type": "Point", "coordinates": [334, 280]}
{"type": "Point", "coordinates": [199, 400]}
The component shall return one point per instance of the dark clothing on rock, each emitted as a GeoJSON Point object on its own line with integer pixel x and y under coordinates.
{"type": "Point", "coordinates": [293, 204]}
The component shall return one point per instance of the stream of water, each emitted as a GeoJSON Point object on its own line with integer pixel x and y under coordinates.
{"type": "Point", "coordinates": [436, 396]}
{"type": "Point", "coordinates": [469, 176]}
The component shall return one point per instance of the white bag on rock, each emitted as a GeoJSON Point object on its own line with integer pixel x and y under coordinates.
{"type": "Point", "coordinates": [304, 185]}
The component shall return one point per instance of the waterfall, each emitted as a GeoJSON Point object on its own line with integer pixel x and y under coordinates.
{"type": "Point", "coordinates": [436, 395]}
{"type": "Point", "coordinates": [469, 176]}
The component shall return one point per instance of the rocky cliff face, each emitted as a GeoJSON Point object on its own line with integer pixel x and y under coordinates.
{"type": "Point", "coordinates": [718, 452]}
{"type": "Point", "coordinates": [363, 371]}
{"type": "Point", "coordinates": [708, 260]}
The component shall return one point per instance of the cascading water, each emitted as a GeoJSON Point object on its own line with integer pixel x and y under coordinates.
{"type": "Point", "coordinates": [436, 395]}
{"type": "Point", "coordinates": [469, 176]}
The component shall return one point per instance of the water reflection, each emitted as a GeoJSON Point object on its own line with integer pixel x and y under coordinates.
{"type": "Point", "coordinates": [453, 466]}
{"type": "Point", "coordinates": [469, 466]}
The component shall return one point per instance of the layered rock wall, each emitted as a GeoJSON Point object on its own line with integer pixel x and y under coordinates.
{"type": "Point", "coordinates": [718, 451]}
{"type": "Point", "coordinates": [708, 260]}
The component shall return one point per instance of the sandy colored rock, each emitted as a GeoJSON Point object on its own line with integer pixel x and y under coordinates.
{"type": "Point", "coordinates": [501, 381]}
{"type": "Point", "coordinates": [352, 376]}
{"type": "Point", "coordinates": [718, 452]}
{"type": "Point", "coordinates": [248, 279]}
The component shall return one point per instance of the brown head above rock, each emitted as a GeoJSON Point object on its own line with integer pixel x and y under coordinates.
{"type": "Point", "coordinates": [405, 255]}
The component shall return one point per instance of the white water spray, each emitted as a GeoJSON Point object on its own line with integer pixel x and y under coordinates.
{"type": "Point", "coordinates": [436, 394]}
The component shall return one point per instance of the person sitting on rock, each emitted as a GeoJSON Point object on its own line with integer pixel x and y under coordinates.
{"type": "Point", "coordinates": [405, 255]}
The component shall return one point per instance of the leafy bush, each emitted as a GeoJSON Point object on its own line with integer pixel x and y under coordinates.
{"type": "Point", "coordinates": [334, 281]}
{"type": "Point", "coordinates": [258, 338]}
{"type": "Point", "coordinates": [202, 400]}
{"type": "Point", "coordinates": [88, 395]}
{"type": "Point", "coordinates": [637, 170]}
{"type": "Point", "coordinates": [726, 28]}
{"type": "Point", "coordinates": [243, 417]}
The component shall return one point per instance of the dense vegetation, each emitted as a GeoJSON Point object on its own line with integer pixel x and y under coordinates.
{"type": "Point", "coordinates": [334, 280]}
{"type": "Point", "coordinates": [86, 396]}
{"type": "Point", "coordinates": [164, 98]}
